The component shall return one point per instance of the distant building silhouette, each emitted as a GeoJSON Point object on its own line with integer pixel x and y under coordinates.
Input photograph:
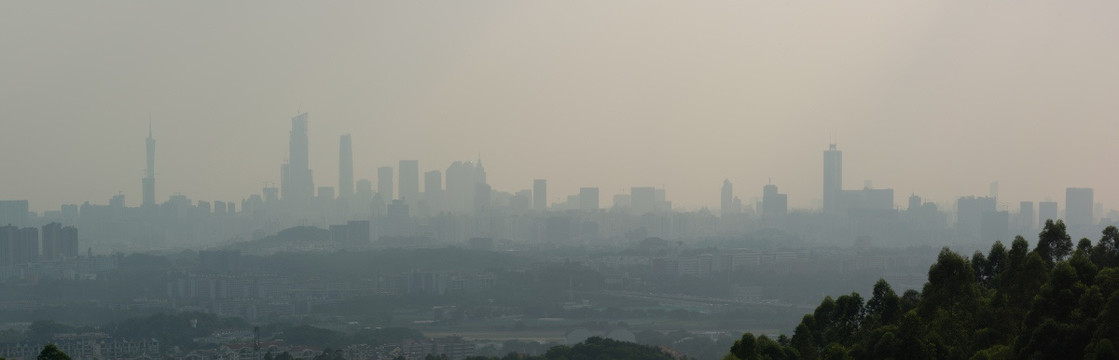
{"type": "Point", "coordinates": [409, 181]}
{"type": "Point", "coordinates": [643, 199]}
{"type": "Point", "coordinates": [540, 195]}
{"type": "Point", "coordinates": [588, 199]}
{"type": "Point", "coordinates": [726, 197]}
{"type": "Point", "coordinates": [774, 205]}
{"type": "Point", "coordinates": [13, 212]}
{"type": "Point", "coordinates": [149, 172]}
{"type": "Point", "coordinates": [972, 213]}
{"type": "Point", "coordinates": [1078, 206]}
{"type": "Point", "coordinates": [1047, 210]}
{"type": "Point", "coordinates": [296, 182]}
{"type": "Point", "coordinates": [833, 179]}
{"type": "Point", "coordinates": [345, 167]}
{"type": "Point", "coordinates": [384, 184]}
{"type": "Point", "coordinates": [59, 242]}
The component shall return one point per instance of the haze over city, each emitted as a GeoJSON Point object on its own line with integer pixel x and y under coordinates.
{"type": "Point", "coordinates": [935, 99]}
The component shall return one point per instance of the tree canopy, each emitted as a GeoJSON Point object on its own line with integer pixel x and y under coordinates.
{"type": "Point", "coordinates": [1052, 302]}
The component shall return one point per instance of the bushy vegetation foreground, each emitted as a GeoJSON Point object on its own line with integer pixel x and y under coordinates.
{"type": "Point", "coordinates": [1056, 301]}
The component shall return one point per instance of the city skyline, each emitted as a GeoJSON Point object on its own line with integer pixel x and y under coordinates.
{"type": "Point", "coordinates": [915, 105]}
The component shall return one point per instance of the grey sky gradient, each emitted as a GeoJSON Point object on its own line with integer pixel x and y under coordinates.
{"type": "Point", "coordinates": [937, 98]}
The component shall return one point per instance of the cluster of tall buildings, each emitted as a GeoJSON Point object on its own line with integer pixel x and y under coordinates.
{"type": "Point", "coordinates": [457, 203]}
{"type": "Point", "coordinates": [23, 245]}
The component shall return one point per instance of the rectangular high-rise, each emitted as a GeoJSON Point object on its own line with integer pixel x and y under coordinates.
{"type": "Point", "coordinates": [409, 181]}
{"type": "Point", "coordinates": [1046, 210]}
{"type": "Point", "coordinates": [540, 195]}
{"type": "Point", "coordinates": [59, 242]}
{"type": "Point", "coordinates": [149, 173]}
{"type": "Point", "coordinates": [1078, 206]}
{"type": "Point", "coordinates": [726, 198]}
{"type": "Point", "coordinates": [833, 179]}
{"type": "Point", "coordinates": [774, 204]}
{"type": "Point", "coordinates": [296, 181]}
{"type": "Point", "coordinates": [345, 167]}
{"type": "Point", "coordinates": [384, 184]}
{"type": "Point", "coordinates": [13, 212]}
{"type": "Point", "coordinates": [643, 199]}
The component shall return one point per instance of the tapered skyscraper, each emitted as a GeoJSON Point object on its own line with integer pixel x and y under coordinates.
{"type": "Point", "coordinates": [345, 167]}
{"type": "Point", "coordinates": [149, 172]}
{"type": "Point", "coordinates": [295, 181]}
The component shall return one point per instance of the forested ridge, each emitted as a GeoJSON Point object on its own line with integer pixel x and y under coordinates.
{"type": "Point", "coordinates": [1056, 301]}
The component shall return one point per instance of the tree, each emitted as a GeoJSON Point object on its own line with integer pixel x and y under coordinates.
{"type": "Point", "coordinates": [51, 352]}
{"type": "Point", "coordinates": [1106, 251]}
{"type": "Point", "coordinates": [884, 306]}
{"type": "Point", "coordinates": [1054, 242]}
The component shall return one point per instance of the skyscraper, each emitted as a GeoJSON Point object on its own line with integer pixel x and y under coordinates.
{"type": "Point", "coordinates": [345, 167]}
{"type": "Point", "coordinates": [14, 212]}
{"type": "Point", "coordinates": [833, 179]}
{"type": "Point", "coordinates": [1046, 210]}
{"type": "Point", "coordinates": [433, 192]}
{"type": "Point", "coordinates": [643, 199]}
{"type": "Point", "coordinates": [149, 172]}
{"type": "Point", "coordinates": [296, 181]}
{"type": "Point", "coordinates": [433, 182]}
{"type": "Point", "coordinates": [384, 183]}
{"type": "Point", "coordinates": [409, 181]}
{"type": "Point", "coordinates": [1078, 206]}
{"type": "Point", "coordinates": [726, 197]}
{"type": "Point", "coordinates": [774, 204]}
{"type": "Point", "coordinates": [540, 195]}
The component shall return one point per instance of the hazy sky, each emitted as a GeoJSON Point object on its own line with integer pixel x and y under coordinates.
{"type": "Point", "coordinates": [937, 98]}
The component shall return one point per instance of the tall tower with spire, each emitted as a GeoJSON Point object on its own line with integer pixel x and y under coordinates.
{"type": "Point", "coordinates": [149, 172]}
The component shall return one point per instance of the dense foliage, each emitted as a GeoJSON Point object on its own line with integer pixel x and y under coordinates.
{"type": "Point", "coordinates": [1057, 301]}
{"type": "Point", "coordinates": [595, 348]}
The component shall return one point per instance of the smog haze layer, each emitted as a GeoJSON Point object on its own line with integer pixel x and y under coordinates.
{"type": "Point", "coordinates": [933, 98]}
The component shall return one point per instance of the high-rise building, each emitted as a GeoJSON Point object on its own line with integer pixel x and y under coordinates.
{"type": "Point", "coordinates": [409, 181]}
{"type": "Point", "coordinates": [914, 203]}
{"type": "Point", "coordinates": [1047, 210]}
{"type": "Point", "coordinates": [774, 204]}
{"type": "Point", "coordinates": [325, 193]}
{"type": "Point", "coordinates": [833, 179]}
{"type": "Point", "coordinates": [1078, 206]}
{"type": "Point", "coordinates": [149, 172]}
{"type": "Point", "coordinates": [970, 213]}
{"type": "Point", "coordinates": [13, 212]}
{"type": "Point", "coordinates": [296, 182]}
{"type": "Point", "coordinates": [540, 195]}
{"type": "Point", "coordinates": [588, 199]}
{"type": "Point", "coordinates": [59, 242]}
{"type": "Point", "coordinates": [726, 198]}
{"type": "Point", "coordinates": [345, 167]}
{"type": "Point", "coordinates": [643, 199]}
{"type": "Point", "coordinates": [433, 192]}
{"type": "Point", "coordinates": [463, 190]}
{"type": "Point", "coordinates": [433, 182]}
{"type": "Point", "coordinates": [384, 183]}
